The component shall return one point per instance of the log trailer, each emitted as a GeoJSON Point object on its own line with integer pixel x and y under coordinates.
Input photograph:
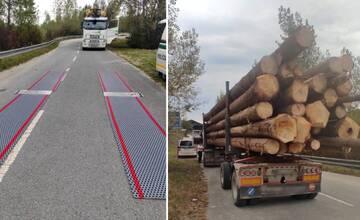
{"type": "Point", "coordinates": [252, 175]}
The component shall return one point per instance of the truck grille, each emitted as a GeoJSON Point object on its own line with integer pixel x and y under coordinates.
{"type": "Point", "coordinates": [94, 36]}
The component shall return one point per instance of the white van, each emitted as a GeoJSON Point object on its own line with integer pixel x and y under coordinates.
{"type": "Point", "coordinates": [161, 53]}
{"type": "Point", "coordinates": [186, 148]}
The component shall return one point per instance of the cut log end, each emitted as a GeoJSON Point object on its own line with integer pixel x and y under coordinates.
{"type": "Point", "coordinates": [303, 129]}
{"type": "Point", "coordinates": [298, 92]}
{"type": "Point", "coordinates": [285, 126]}
{"type": "Point", "coordinates": [296, 148]}
{"type": "Point", "coordinates": [264, 110]}
{"type": "Point", "coordinates": [267, 86]}
{"type": "Point", "coordinates": [314, 144]}
{"type": "Point", "coordinates": [344, 89]}
{"type": "Point", "coordinates": [340, 112]}
{"type": "Point", "coordinates": [348, 128]}
{"type": "Point", "coordinates": [347, 62]}
{"type": "Point", "coordinates": [317, 114]}
{"type": "Point", "coordinates": [317, 83]}
{"type": "Point", "coordinates": [330, 97]}
{"type": "Point", "coordinates": [268, 64]}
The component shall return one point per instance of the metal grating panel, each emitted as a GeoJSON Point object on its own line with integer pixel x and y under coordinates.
{"type": "Point", "coordinates": [16, 115]}
{"type": "Point", "coordinates": [142, 140]}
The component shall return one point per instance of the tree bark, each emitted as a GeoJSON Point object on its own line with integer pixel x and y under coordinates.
{"type": "Point", "coordinates": [317, 114]}
{"type": "Point", "coordinates": [295, 44]}
{"type": "Point", "coordinates": [257, 112]}
{"type": "Point", "coordinates": [294, 109]}
{"type": "Point", "coordinates": [262, 145]}
{"type": "Point", "coordinates": [265, 88]}
{"type": "Point", "coordinates": [348, 99]}
{"type": "Point", "coordinates": [282, 128]}
{"type": "Point", "coordinates": [338, 142]}
{"type": "Point", "coordinates": [267, 65]}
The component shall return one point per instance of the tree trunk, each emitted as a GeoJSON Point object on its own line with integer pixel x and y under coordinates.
{"type": "Point", "coordinates": [348, 99]}
{"type": "Point", "coordinates": [264, 89]}
{"type": "Point", "coordinates": [262, 145]}
{"type": "Point", "coordinates": [257, 112]}
{"type": "Point", "coordinates": [313, 144]}
{"type": "Point", "coordinates": [294, 109]}
{"type": "Point", "coordinates": [339, 112]}
{"type": "Point", "coordinates": [303, 129]}
{"type": "Point", "coordinates": [267, 65]}
{"type": "Point", "coordinates": [296, 148]}
{"type": "Point", "coordinates": [332, 67]}
{"type": "Point", "coordinates": [345, 128]}
{"type": "Point", "coordinates": [282, 128]}
{"type": "Point", "coordinates": [317, 83]}
{"type": "Point", "coordinates": [344, 89]}
{"type": "Point", "coordinates": [295, 44]}
{"type": "Point", "coordinates": [317, 114]}
{"type": "Point", "coordinates": [339, 142]}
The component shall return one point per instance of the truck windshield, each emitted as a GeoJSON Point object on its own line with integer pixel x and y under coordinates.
{"type": "Point", "coordinates": [94, 25]}
{"type": "Point", "coordinates": [186, 144]}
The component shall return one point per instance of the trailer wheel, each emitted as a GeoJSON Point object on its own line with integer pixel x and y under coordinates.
{"type": "Point", "coordinates": [225, 175]}
{"type": "Point", "coordinates": [236, 191]}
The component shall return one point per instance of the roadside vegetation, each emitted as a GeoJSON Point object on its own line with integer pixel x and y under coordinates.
{"type": "Point", "coordinates": [144, 59]}
{"type": "Point", "coordinates": [8, 62]}
{"type": "Point", "coordinates": [187, 186]}
{"type": "Point", "coordinates": [341, 170]}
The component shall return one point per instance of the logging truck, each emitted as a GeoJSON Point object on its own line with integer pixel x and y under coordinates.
{"type": "Point", "coordinates": [253, 175]}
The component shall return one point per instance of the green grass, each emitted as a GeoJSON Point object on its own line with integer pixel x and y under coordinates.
{"type": "Point", "coordinates": [8, 62]}
{"type": "Point", "coordinates": [341, 170]}
{"type": "Point", "coordinates": [187, 185]}
{"type": "Point", "coordinates": [141, 58]}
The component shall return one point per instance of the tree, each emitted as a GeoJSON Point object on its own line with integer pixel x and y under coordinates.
{"type": "Point", "coordinates": [220, 96]}
{"type": "Point", "coordinates": [185, 66]}
{"type": "Point", "coordinates": [25, 12]}
{"type": "Point", "coordinates": [9, 6]}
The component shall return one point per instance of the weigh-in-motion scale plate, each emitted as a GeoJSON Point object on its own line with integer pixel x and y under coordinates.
{"type": "Point", "coordinates": [16, 115]}
{"type": "Point", "coordinates": [140, 139]}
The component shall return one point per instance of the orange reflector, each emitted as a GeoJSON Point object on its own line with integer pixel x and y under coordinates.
{"type": "Point", "coordinates": [312, 178]}
{"type": "Point", "coordinates": [254, 181]}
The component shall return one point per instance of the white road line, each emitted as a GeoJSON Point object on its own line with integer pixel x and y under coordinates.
{"type": "Point", "coordinates": [68, 69]}
{"type": "Point", "coordinates": [336, 199]}
{"type": "Point", "coordinates": [63, 77]}
{"type": "Point", "coordinates": [78, 52]}
{"type": "Point", "coordinates": [12, 156]}
{"type": "Point", "coordinates": [74, 58]}
{"type": "Point", "coordinates": [34, 92]}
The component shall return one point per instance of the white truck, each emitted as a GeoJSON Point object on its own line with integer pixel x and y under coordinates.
{"type": "Point", "coordinates": [98, 31]}
{"type": "Point", "coordinates": [161, 52]}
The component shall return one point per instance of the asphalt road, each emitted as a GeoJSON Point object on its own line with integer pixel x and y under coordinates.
{"type": "Point", "coordinates": [70, 167]}
{"type": "Point", "coordinates": [339, 199]}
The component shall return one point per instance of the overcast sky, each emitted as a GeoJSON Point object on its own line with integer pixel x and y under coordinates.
{"type": "Point", "coordinates": [48, 5]}
{"type": "Point", "coordinates": [233, 33]}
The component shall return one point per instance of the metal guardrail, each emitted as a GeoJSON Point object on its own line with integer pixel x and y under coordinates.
{"type": "Point", "coordinates": [9, 53]}
{"type": "Point", "coordinates": [335, 161]}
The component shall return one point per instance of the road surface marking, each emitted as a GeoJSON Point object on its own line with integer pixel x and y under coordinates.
{"type": "Point", "coordinates": [11, 158]}
{"type": "Point", "coordinates": [63, 77]}
{"type": "Point", "coordinates": [68, 69]}
{"type": "Point", "coordinates": [74, 58]}
{"type": "Point", "coordinates": [336, 199]}
{"type": "Point", "coordinates": [34, 92]}
{"type": "Point", "coordinates": [123, 94]}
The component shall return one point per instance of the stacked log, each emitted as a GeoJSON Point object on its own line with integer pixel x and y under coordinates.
{"type": "Point", "coordinates": [278, 107]}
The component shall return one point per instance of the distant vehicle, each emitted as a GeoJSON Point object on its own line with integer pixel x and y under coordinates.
{"type": "Point", "coordinates": [98, 31]}
{"type": "Point", "coordinates": [186, 148]}
{"type": "Point", "coordinates": [161, 53]}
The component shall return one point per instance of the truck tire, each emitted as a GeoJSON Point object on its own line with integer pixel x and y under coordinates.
{"type": "Point", "coordinates": [305, 196]}
{"type": "Point", "coordinates": [225, 175]}
{"type": "Point", "coordinates": [236, 192]}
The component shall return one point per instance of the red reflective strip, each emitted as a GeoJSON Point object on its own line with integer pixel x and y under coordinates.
{"type": "Point", "coordinates": [123, 145]}
{"type": "Point", "coordinates": [17, 96]}
{"type": "Point", "coordinates": [13, 139]}
{"type": "Point", "coordinates": [142, 105]}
